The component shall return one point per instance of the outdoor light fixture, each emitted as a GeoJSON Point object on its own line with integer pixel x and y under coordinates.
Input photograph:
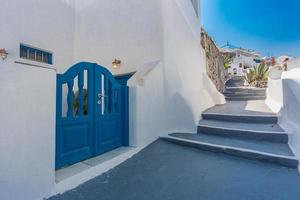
{"type": "Point", "coordinates": [116, 64]}
{"type": "Point", "coordinates": [3, 54]}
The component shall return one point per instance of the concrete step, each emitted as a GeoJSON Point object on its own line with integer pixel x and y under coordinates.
{"type": "Point", "coordinates": [264, 151]}
{"type": "Point", "coordinates": [244, 118]}
{"type": "Point", "coordinates": [235, 82]}
{"type": "Point", "coordinates": [245, 90]}
{"type": "Point", "coordinates": [245, 98]}
{"type": "Point", "coordinates": [257, 107]}
{"type": "Point", "coordinates": [260, 132]}
{"type": "Point", "coordinates": [244, 95]}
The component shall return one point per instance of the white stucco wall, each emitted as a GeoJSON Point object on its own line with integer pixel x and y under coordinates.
{"type": "Point", "coordinates": [183, 67]}
{"type": "Point", "coordinates": [274, 94]}
{"type": "Point", "coordinates": [27, 132]}
{"type": "Point", "coordinates": [127, 30]}
{"type": "Point", "coordinates": [47, 25]}
{"type": "Point", "coordinates": [27, 109]}
{"type": "Point", "coordinates": [147, 104]}
{"type": "Point", "coordinates": [274, 90]}
{"type": "Point", "coordinates": [289, 119]}
{"type": "Point", "coordinates": [283, 97]}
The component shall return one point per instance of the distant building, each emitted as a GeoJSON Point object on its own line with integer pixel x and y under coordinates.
{"type": "Point", "coordinates": [284, 60]}
{"type": "Point", "coordinates": [241, 59]}
{"type": "Point", "coordinates": [269, 61]}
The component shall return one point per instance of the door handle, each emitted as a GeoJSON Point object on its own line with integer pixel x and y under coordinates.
{"type": "Point", "coordinates": [100, 96]}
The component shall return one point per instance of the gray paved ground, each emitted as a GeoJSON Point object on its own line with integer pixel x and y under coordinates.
{"type": "Point", "coordinates": [165, 171]}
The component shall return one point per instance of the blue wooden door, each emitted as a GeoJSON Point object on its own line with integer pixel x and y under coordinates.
{"type": "Point", "coordinates": [123, 78]}
{"type": "Point", "coordinates": [108, 116]}
{"type": "Point", "coordinates": [94, 117]}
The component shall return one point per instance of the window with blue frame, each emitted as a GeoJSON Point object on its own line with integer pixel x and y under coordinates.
{"type": "Point", "coordinates": [35, 54]}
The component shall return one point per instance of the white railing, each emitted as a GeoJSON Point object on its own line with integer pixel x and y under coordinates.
{"type": "Point", "coordinates": [283, 96]}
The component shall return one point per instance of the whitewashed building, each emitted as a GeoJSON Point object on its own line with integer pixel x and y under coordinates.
{"type": "Point", "coordinates": [242, 59]}
{"type": "Point", "coordinates": [158, 40]}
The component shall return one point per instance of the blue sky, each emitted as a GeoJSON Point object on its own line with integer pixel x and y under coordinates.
{"type": "Point", "coordinates": [271, 27]}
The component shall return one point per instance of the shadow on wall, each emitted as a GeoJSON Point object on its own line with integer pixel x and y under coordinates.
{"type": "Point", "coordinates": [180, 114]}
{"type": "Point", "coordinates": [146, 104]}
{"type": "Point", "coordinates": [156, 108]}
{"type": "Point", "coordinates": [289, 119]}
{"type": "Point", "coordinates": [212, 93]}
{"type": "Point", "coordinates": [183, 104]}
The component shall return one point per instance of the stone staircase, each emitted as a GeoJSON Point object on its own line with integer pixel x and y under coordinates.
{"type": "Point", "coordinates": [244, 94]}
{"type": "Point", "coordinates": [246, 129]}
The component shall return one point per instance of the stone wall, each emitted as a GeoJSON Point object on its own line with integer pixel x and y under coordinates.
{"type": "Point", "coordinates": [214, 61]}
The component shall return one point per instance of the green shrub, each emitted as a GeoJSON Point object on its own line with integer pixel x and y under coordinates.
{"type": "Point", "coordinates": [250, 77]}
{"type": "Point", "coordinates": [258, 76]}
{"type": "Point", "coordinates": [261, 72]}
{"type": "Point", "coordinates": [76, 102]}
{"type": "Point", "coordinates": [227, 61]}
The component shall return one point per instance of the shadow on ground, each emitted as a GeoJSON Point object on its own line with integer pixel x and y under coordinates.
{"type": "Point", "coordinates": [165, 171]}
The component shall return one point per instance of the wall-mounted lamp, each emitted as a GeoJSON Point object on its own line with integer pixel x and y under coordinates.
{"type": "Point", "coordinates": [3, 54]}
{"type": "Point", "coordinates": [116, 64]}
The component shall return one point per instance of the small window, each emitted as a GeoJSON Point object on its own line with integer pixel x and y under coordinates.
{"type": "Point", "coordinates": [39, 56]}
{"type": "Point", "coordinates": [31, 53]}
